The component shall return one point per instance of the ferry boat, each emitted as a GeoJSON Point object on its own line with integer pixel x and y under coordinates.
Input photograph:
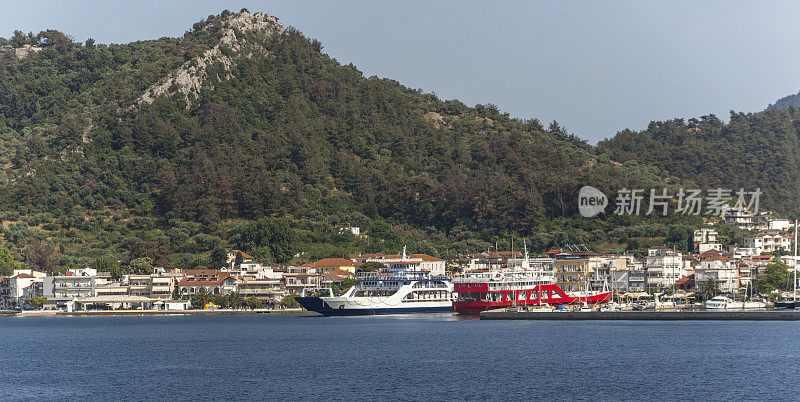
{"type": "Point", "coordinates": [521, 286]}
{"type": "Point", "coordinates": [402, 287]}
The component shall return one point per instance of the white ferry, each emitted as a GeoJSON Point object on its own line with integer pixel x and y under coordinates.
{"type": "Point", "coordinates": [402, 287]}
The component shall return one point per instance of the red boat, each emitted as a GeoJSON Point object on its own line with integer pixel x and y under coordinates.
{"type": "Point", "coordinates": [486, 290]}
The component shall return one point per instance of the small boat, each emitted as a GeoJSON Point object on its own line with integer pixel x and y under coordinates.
{"type": "Point", "coordinates": [723, 303]}
{"type": "Point", "coordinates": [754, 304]}
{"type": "Point", "coordinates": [787, 304]}
{"type": "Point", "coordinates": [539, 309]}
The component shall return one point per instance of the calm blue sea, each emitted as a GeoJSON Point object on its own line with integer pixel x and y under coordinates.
{"type": "Point", "coordinates": [420, 357]}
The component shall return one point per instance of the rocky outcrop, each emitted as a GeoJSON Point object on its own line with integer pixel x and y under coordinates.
{"type": "Point", "coordinates": [20, 52]}
{"type": "Point", "coordinates": [191, 76]}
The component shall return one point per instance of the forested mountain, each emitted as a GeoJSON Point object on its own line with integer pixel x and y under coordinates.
{"type": "Point", "coordinates": [243, 133]}
{"type": "Point", "coordinates": [786, 101]}
{"type": "Point", "coordinates": [755, 150]}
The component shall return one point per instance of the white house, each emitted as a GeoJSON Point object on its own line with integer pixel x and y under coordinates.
{"type": "Point", "coordinates": [741, 217]}
{"type": "Point", "coordinates": [705, 239]}
{"type": "Point", "coordinates": [14, 289]}
{"type": "Point", "coordinates": [768, 242]}
{"type": "Point", "coordinates": [664, 266]}
{"type": "Point", "coordinates": [780, 224]}
{"type": "Point", "coordinates": [213, 281]}
{"type": "Point", "coordinates": [249, 266]}
{"type": "Point", "coordinates": [354, 230]}
{"type": "Point", "coordinates": [722, 270]}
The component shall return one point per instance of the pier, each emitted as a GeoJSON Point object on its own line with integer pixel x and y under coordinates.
{"type": "Point", "coordinates": [726, 315]}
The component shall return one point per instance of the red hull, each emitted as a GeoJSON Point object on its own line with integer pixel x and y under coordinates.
{"type": "Point", "coordinates": [542, 294]}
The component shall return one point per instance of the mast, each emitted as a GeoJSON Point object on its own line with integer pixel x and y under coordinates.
{"type": "Point", "coordinates": [795, 263]}
{"type": "Point", "coordinates": [512, 248]}
{"type": "Point", "coordinates": [525, 263]}
{"type": "Point", "coordinates": [674, 258]}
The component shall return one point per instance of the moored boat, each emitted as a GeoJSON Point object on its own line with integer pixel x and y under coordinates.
{"type": "Point", "coordinates": [524, 286]}
{"type": "Point", "coordinates": [403, 287]}
{"type": "Point", "coordinates": [787, 304]}
{"type": "Point", "coordinates": [755, 304]}
{"type": "Point", "coordinates": [723, 303]}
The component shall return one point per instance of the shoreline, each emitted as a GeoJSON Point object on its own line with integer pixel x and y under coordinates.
{"type": "Point", "coordinates": [138, 313]}
{"type": "Point", "coordinates": [725, 315]}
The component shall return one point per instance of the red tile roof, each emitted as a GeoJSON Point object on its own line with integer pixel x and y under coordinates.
{"type": "Point", "coordinates": [340, 272]}
{"type": "Point", "coordinates": [425, 257]}
{"type": "Point", "coordinates": [202, 281]}
{"type": "Point", "coordinates": [337, 278]}
{"type": "Point", "coordinates": [366, 256]}
{"type": "Point", "coordinates": [684, 279]}
{"type": "Point", "coordinates": [197, 277]}
{"type": "Point", "coordinates": [709, 253]}
{"type": "Point", "coordinates": [244, 255]}
{"type": "Point", "coordinates": [23, 275]}
{"type": "Point", "coordinates": [496, 254]}
{"type": "Point", "coordinates": [335, 262]}
{"type": "Point", "coordinates": [201, 272]}
{"type": "Point", "coordinates": [717, 258]}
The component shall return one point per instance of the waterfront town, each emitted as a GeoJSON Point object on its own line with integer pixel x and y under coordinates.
{"type": "Point", "coordinates": [245, 283]}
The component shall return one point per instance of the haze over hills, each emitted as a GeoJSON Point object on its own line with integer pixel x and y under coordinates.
{"type": "Point", "coordinates": [244, 133]}
{"type": "Point", "coordinates": [786, 101]}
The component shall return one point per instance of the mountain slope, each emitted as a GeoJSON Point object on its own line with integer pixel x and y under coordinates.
{"type": "Point", "coordinates": [757, 150]}
{"type": "Point", "coordinates": [166, 149]}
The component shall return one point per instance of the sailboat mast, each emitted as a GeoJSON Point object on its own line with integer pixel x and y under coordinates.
{"type": "Point", "coordinates": [795, 261]}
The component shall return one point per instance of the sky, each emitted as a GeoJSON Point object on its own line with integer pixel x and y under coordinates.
{"type": "Point", "coordinates": [596, 67]}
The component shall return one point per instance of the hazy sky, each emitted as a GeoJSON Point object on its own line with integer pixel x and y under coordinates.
{"type": "Point", "coordinates": [595, 66]}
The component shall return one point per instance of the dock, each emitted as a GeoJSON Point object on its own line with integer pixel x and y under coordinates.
{"type": "Point", "coordinates": [725, 315]}
{"type": "Point", "coordinates": [140, 313]}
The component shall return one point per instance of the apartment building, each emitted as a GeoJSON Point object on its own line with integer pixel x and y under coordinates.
{"type": "Point", "coordinates": [264, 289]}
{"type": "Point", "coordinates": [768, 241]}
{"type": "Point", "coordinates": [664, 266]}
{"type": "Point", "coordinates": [572, 268]}
{"type": "Point", "coordinates": [154, 286]}
{"type": "Point", "coordinates": [212, 280]}
{"type": "Point", "coordinates": [722, 270]}
{"type": "Point", "coordinates": [61, 289]}
{"type": "Point", "coordinates": [19, 286]}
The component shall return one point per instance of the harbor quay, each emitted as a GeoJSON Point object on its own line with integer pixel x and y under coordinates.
{"type": "Point", "coordinates": [767, 315]}
{"type": "Point", "coordinates": [572, 278]}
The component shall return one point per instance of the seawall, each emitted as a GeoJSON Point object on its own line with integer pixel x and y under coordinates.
{"type": "Point", "coordinates": [726, 315]}
{"type": "Point", "coordinates": [42, 313]}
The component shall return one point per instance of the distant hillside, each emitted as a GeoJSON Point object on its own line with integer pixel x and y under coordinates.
{"type": "Point", "coordinates": [172, 149]}
{"type": "Point", "coordinates": [786, 101]}
{"type": "Point", "coordinates": [753, 150]}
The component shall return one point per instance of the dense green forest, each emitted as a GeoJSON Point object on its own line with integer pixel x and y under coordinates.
{"type": "Point", "coordinates": [754, 150]}
{"type": "Point", "coordinates": [243, 133]}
